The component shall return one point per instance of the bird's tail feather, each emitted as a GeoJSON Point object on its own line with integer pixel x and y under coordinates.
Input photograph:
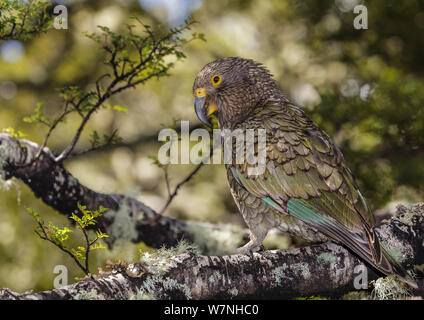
{"type": "Point", "coordinates": [367, 245]}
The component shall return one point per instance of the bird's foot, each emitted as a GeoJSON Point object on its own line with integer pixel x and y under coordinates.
{"type": "Point", "coordinates": [250, 248]}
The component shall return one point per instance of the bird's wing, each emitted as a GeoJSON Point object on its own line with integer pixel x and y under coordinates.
{"type": "Point", "coordinates": [306, 176]}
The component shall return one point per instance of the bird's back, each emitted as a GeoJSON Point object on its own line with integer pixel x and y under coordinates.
{"type": "Point", "coordinates": [307, 178]}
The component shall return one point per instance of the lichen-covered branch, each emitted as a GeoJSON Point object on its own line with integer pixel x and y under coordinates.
{"type": "Point", "coordinates": [127, 217]}
{"type": "Point", "coordinates": [324, 269]}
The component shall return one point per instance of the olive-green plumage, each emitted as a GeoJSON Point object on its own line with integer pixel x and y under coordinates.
{"type": "Point", "coordinates": [306, 188]}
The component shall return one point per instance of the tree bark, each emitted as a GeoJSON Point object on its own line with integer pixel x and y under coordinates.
{"type": "Point", "coordinates": [324, 269]}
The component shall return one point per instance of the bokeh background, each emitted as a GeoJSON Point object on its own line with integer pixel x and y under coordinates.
{"type": "Point", "coordinates": [364, 87]}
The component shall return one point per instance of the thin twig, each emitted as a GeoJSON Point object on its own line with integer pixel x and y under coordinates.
{"type": "Point", "coordinates": [108, 142]}
{"type": "Point", "coordinates": [179, 185]}
{"type": "Point", "coordinates": [172, 195]}
{"type": "Point", "coordinates": [168, 187]}
{"type": "Point", "coordinates": [45, 236]}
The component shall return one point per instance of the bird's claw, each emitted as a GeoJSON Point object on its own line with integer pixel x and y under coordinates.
{"type": "Point", "coordinates": [249, 249]}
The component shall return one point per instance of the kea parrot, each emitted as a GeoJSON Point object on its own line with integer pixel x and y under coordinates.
{"type": "Point", "coordinates": [306, 188]}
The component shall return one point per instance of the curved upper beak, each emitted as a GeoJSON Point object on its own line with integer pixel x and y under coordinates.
{"type": "Point", "coordinates": [201, 112]}
{"type": "Point", "coordinates": [202, 107]}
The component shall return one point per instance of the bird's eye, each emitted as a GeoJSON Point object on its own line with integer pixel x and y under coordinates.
{"type": "Point", "coordinates": [216, 79]}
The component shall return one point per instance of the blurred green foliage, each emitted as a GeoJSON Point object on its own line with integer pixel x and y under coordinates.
{"type": "Point", "coordinates": [364, 87]}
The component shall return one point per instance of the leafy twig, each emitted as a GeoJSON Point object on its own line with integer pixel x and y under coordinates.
{"type": "Point", "coordinates": [58, 236]}
{"type": "Point", "coordinates": [20, 20]}
{"type": "Point", "coordinates": [133, 59]}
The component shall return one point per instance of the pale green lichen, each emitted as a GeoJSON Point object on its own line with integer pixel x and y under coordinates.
{"type": "Point", "coordinates": [216, 241]}
{"type": "Point", "coordinates": [397, 250]}
{"type": "Point", "coordinates": [390, 288]}
{"type": "Point", "coordinates": [159, 262]}
{"type": "Point", "coordinates": [172, 284]}
{"type": "Point", "coordinates": [302, 268]}
{"type": "Point", "coordinates": [141, 295]}
{"type": "Point", "coordinates": [60, 178]}
{"type": "Point", "coordinates": [72, 182]}
{"type": "Point", "coordinates": [398, 253]}
{"type": "Point", "coordinates": [279, 273]}
{"type": "Point", "coordinates": [123, 225]}
{"type": "Point", "coordinates": [124, 219]}
{"type": "Point", "coordinates": [408, 214]}
{"type": "Point", "coordinates": [233, 292]}
{"type": "Point", "coordinates": [326, 257]}
{"type": "Point", "coordinates": [88, 295]}
{"type": "Point", "coordinates": [153, 285]}
{"type": "Point", "coordinates": [215, 276]}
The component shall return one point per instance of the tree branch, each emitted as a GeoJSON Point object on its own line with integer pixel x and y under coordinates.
{"type": "Point", "coordinates": [127, 217]}
{"type": "Point", "coordinates": [325, 269]}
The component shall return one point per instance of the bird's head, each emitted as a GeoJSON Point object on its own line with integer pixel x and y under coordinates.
{"type": "Point", "coordinates": [231, 88]}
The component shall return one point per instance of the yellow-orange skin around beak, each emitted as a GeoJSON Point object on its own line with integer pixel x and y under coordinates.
{"type": "Point", "coordinates": [203, 107]}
